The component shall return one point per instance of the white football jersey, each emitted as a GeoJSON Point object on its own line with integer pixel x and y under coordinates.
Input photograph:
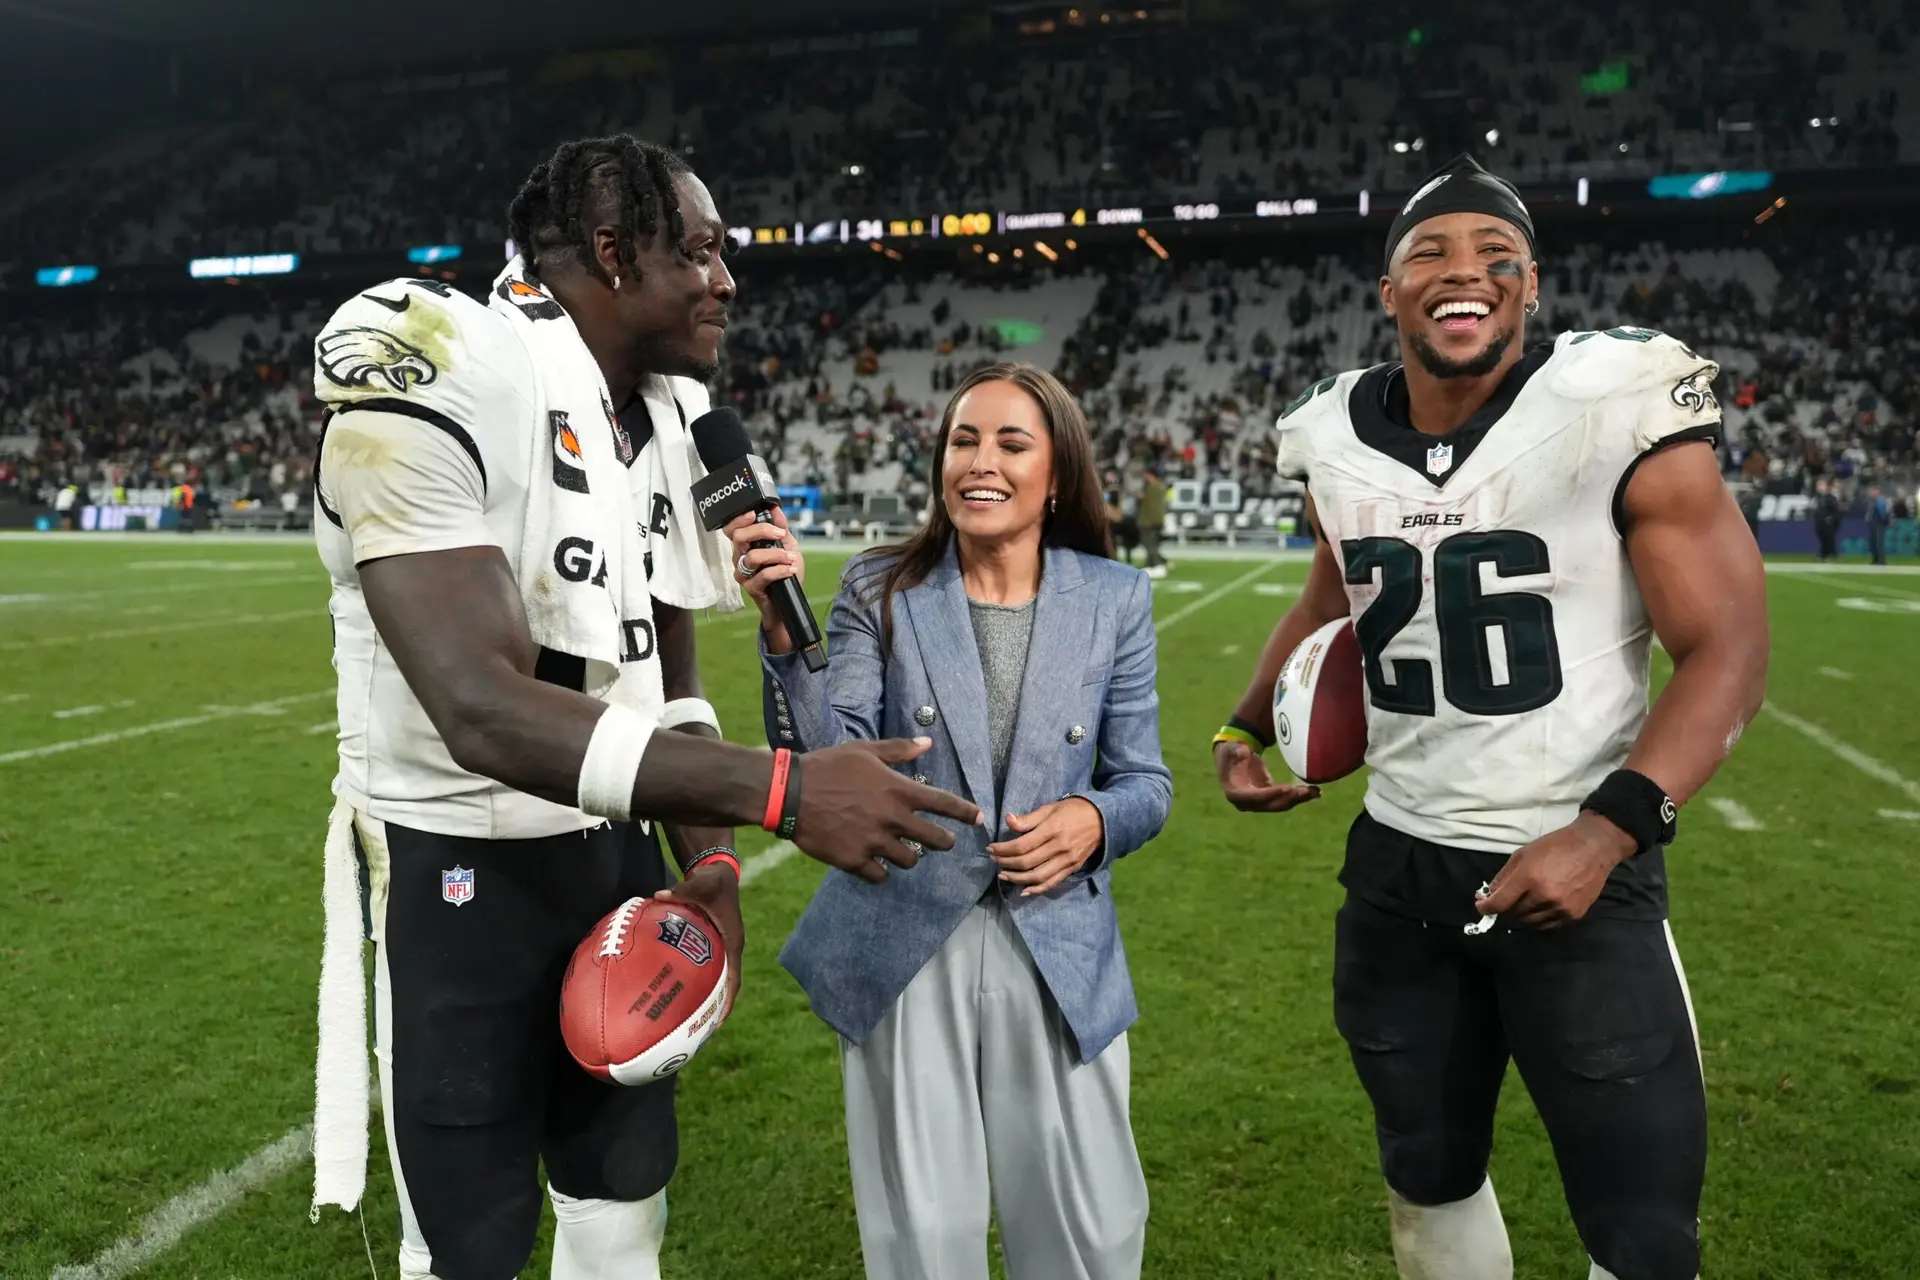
{"type": "Point", "coordinates": [442, 464]}
{"type": "Point", "coordinates": [1505, 639]}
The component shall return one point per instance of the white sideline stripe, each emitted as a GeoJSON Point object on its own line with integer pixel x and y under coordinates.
{"type": "Point", "coordinates": [165, 628]}
{"type": "Point", "coordinates": [276, 706]}
{"type": "Point", "coordinates": [1900, 815]}
{"type": "Point", "coordinates": [166, 1226]}
{"type": "Point", "coordinates": [162, 1229]}
{"type": "Point", "coordinates": [1737, 815]}
{"type": "Point", "coordinates": [1188, 610]}
{"type": "Point", "coordinates": [1846, 751]}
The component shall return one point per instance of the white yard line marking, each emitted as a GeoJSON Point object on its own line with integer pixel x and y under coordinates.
{"type": "Point", "coordinates": [1846, 751]}
{"type": "Point", "coordinates": [1276, 589]}
{"type": "Point", "coordinates": [166, 1226]}
{"type": "Point", "coordinates": [1815, 572]}
{"type": "Point", "coordinates": [223, 566]}
{"type": "Point", "coordinates": [173, 588]}
{"type": "Point", "coordinates": [1187, 587]}
{"type": "Point", "coordinates": [162, 1229]}
{"type": "Point", "coordinates": [312, 613]}
{"type": "Point", "coordinates": [325, 726]}
{"type": "Point", "coordinates": [753, 868]}
{"type": "Point", "coordinates": [1188, 610]}
{"type": "Point", "coordinates": [15, 697]}
{"type": "Point", "coordinates": [1228, 650]}
{"type": "Point", "coordinates": [1835, 673]}
{"type": "Point", "coordinates": [74, 712]}
{"type": "Point", "coordinates": [1737, 815]}
{"type": "Point", "coordinates": [1901, 815]}
{"type": "Point", "coordinates": [273, 707]}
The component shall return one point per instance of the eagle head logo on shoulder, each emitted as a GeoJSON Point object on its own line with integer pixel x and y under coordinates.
{"type": "Point", "coordinates": [355, 356]}
{"type": "Point", "coordinates": [1694, 393]}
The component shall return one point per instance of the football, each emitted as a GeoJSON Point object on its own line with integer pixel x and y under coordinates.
{"type": "Point", "coordinates": [1320, 707]}
{"type": "Point", "coordinates": [643, 991]}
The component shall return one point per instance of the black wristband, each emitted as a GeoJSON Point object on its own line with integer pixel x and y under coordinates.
{"type": "Point", "coordinates": [1635, 803]}
{"type": "Point", "coordinates": [706, 855]}
{"type": "Point", "coordinates": [1248, 727]}
{"type": "Point", "coordinates": [790, 805]}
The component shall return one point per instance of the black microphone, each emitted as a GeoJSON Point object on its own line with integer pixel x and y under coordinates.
{"type": "Point", "coordinates": [738, 482]}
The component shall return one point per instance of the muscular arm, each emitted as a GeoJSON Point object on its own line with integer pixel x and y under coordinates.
{"type": "Point", "coordinates": [1242, 773]}
{"type": "Point", "coordinates": [454, 623]}
{"type": "Point", "coordinates": [1706, 593]}
{"type": "Point", "coordinates": [1323, 599]}
{"type": "Point", "coordinates": [680, 675]}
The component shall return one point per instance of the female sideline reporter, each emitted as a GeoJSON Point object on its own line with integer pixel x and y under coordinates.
{"type": "Point", "coordinates": [983, 996]}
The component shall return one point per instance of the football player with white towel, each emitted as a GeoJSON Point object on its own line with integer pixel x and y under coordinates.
{"type": "Point", "coordinates": [506, 517]}
{"type": "Point", "coordinates": [1509, 529]}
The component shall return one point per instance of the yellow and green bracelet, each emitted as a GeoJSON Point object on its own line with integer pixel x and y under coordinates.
{"type": "Point", "coordinates": [1239, 730]}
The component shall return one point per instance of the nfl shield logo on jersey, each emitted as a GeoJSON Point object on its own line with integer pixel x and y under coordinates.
{"type": "Point", "coordinates": [1439, 459]}
{"type": "Point", "coordinates": [456, 886]}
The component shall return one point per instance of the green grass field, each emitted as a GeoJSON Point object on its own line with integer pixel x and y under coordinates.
{"type": "Point", "coordinates": [160, 943]}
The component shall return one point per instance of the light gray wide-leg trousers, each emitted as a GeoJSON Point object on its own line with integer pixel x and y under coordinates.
{"type": "Point", "coordinates": [969, 1095]}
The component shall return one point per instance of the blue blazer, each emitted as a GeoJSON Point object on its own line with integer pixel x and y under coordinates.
{"type": "Point", "coordinates": [1088, 725]}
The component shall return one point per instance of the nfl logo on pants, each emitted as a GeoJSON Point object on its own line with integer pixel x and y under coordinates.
{"type": "Point", "coordinates": [456, 886]}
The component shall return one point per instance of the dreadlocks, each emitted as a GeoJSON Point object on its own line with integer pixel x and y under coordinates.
{"type": "Point", "coordinates": [629, 179]}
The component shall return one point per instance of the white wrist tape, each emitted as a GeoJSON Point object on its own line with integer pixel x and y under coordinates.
{"type": "Point", "coordinates": [689, 711]}
{"type": "Point", "coordinates": [613, 761]}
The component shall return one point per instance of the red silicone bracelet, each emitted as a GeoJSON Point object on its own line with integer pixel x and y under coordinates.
{"type": "Point", "coordinates": [777, 793]}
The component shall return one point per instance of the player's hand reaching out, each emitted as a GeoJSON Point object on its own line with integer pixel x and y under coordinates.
{"type": "Point", "coordinates": [1249, 787]}
{"type": "Point", "coordinates": [858, 814]}
{"type": "Point", "coordinates": [1556, 880]}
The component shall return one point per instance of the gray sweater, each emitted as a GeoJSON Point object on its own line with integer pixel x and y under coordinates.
{"type": "Point", "coordinates": [1003, 632]}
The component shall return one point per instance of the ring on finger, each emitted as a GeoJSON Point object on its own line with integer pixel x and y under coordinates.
{"type": "Point", "coordinates": [741, 568]}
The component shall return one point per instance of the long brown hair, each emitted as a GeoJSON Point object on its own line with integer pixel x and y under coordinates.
{"type": "Point", "coordinates": [1078, 519]}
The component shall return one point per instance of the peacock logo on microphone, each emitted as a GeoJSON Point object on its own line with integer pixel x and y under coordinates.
{"type": "Point", "coordinates": [740, 487]}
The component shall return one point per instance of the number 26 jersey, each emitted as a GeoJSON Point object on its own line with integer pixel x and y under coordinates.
{"type": "Point", "coordinates": [1505, 639]}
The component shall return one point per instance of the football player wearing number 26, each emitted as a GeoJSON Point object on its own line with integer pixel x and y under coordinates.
{"type": "Point", "coordinates": [1509, 529]}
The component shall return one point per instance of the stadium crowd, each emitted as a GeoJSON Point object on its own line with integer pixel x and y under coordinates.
{"type": "Point", "coordinates": [1181, 366]}
{"type": "Point", "coordinates": [1280, 105]}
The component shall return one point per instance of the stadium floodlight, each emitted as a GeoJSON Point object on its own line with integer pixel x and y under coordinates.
{"type": "Point", "coordinates": [1815, 122]}
{"type": "Point", "coordinates": [427, 254]}
{"type": "Point", "coordinates": [1833, 121]}
{"type": "Point", "coordinates": [1419, 144]}
{"type": "Point", "coordinates": [1623, 148]}
{"type": "Point", "coordinates": [1493, 137]}
{"type": "Point", "coordinates": [1400, 148]}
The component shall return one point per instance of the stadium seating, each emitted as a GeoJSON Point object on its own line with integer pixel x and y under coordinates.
{"type": "Point", "coordinates": [1283, 105]}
